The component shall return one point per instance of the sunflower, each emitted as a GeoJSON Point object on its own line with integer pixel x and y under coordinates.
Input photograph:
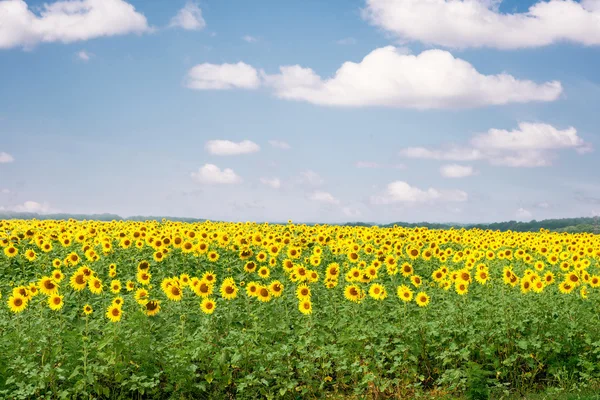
{"type": "Point", "coordinates": [229, 289]}
{"type": "Point", "coordinates": [407, 269]}
{"type": "Point", "coordinates": [87, 309]}
{"type": "Point", "coordinates": [209, 277]}
{"type": "Point", "coordinates": [114, 313]}
{"type": "Point", "coordinates": [333, 270]}
{"type": "Point", "coordinates": [143, 277]}
{"type": "Point", "coordinates": [537, 286]}
{"type": "Point", "coordinates": [158, 256]}
{"type": "Point", "coordinates": [47, 286]}
{"type": "Point", "coordinates": [565, 287]}
{"type": "Point", "coordinates": [377, 291]}
{"type": "Point", "coordinates": [303, 292]}
{"type": "Point", "coordinates": [30, 255]}
{"type": "Point", "coordinates": [152, 308]}
{"type": "Point", "coordinates": [250, 266]}
{"type": "Point", "coordinates": [118, 301]}
{"type": "Point", "coordinates": [11, 251]}
{"type": "Point", "coordinates": [17, 303]}
{"type": "Point", "coordinates": [404, 293]}
{"type": "Point", "coordinates": [263, 294]}
{"type": "Point", "coordinates": [264, 272]}
{"type": "Point", "coordinates": [276, 288]}
{"type": "Point", "coordinates": [57, 275]}
{"type": "Point", "coordinates": [55, 302]}
{"type": "Point", "coordinates": [482, 277]}
{"type": "Point", "coordinates": [252, 289]}
{"type": "Point", "coordinates": [353, 293]}
{"type": "Point", "coordinates": [203, 289]}
{"type": "Point", "coordinates": [78, 281]}
{"type": "Point", "coordinates": [422, 299]}
{"type": "Point", "coordinates": [573, 279]}
{"type": "Point", "coordinates": [462, 288]}
{"type": "Point", "coordinates": [115, 286]}
{"type": "Point", "coordinates": [595, 281]}
{"type": "Point", "coordinates": [56, 263]}
{"type": "Point", "coordinates": [130, 286]}
{"type": "Point", "coordinates": [305, 307]}
{"type": "Point", "coordinates": [141, 296]}
{"type": "Point", "coordinates": [208, 305]}
{"type": "Point", "coordinates": [416, 280]}
{"type": "Point", "coordinates": [174, 293]}
{"type": "Point", "coordinates": [213, 256]}
{"type": "Point", "coordinates": [23, 292]}
{"type": "Point", "coordinates": [95, 285]}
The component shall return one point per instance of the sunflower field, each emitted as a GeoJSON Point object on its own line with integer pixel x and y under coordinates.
{"type": "Point", "coordinates": [243, 310]}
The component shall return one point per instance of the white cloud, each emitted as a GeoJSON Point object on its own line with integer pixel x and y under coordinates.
{"type": "Point", "coordinates": [451, 154]}
{"type": "Point", "coordinates": [324, 197]}
{"type": "Point", "coordinates": [84, 55]}
{"type": "Point", "coordinates": [5, 158]}
{"type": "Point", "coordinates": [346, 41]}
{"type": "Point", "coordinates": [189, 18]}
{"type": "Point", "coordinates": [33, 207]}
{"type": "Point", "coordinates": [222, 76]}
{"type": "Point", "coordinates": [523, 214]}
{"type": "Point", "coordinates": [5, 191]}
{"type": "Point", "coordinates": [351, 211]}
{"type": "Point", "coordinates": [402, 192]}
{"type": "Point", "coordinates": [249, 39]}
{"type": "Point", "coordinates": [478, 23]}
{"type": "Point", "coordinates": [389, 77]}
{"type": "Point", "coordinates": [229, 148]}
{"type": "Point", "coordinates": [280, 144]}
{"type": "Point", "coordinates": [529, 136]}
{"type": "Point", "coordinates": [274, 183]}
{"type": "Point", "coordinates": [311, 178]}
{"type": "Point", "coordinates": [531, 145]}
{"type": "Point", "coordinates": [66, 21]}
{"type": "Point", "coordinates": [211, 174]}
{"type": "Point", "coordinates": [371, 164]}
{"type": "Point", "coordinates": [456, 171]}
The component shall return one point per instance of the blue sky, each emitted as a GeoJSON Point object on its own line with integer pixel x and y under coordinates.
{"type": "Point", "coordinates": [117, 113]}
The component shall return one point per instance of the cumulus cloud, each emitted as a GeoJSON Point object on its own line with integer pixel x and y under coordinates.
{"type": "Point", "coordinates": [84, 55]}
{"type": "Point", "coordinates": [222, 76]}
{"type": "Point", "coordinates": [6, 158]}
{"type": "Point", "coordinates": [33, 207]}
{"type": "Point", "coordinates": [456, 171]}
{"type": "Point", "coordinates": [402, 192]}
{"type": "Point", "coordinates": [478, 23]}
{"type": "Point", "coordinates": [390, 78]}
{"type": "Point", "coordinates": [66, 21]}
{"type": "Point", "coordinates": [386, 77]}
{"type": "Point", "coordinates": [279, 144]}
{"type": "Point", "coordinates": [211, 174]}
{"type": "Point", "coordinates": [324, 197]}
{"type": "Point", "coordinates": [274, 183]}
{"type": "Point", "coordinates": [189, 18]}
{"type": "Point", "coordinates": [530, 145]}
{"type": "Point", "coordinates": [229, 148]}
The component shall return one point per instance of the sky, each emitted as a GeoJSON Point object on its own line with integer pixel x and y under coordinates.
{"type": "Point", "coordinates": [467, 111]}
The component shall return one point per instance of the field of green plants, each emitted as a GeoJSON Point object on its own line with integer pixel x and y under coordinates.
{"type": "Point", "coordinates": [151, 310]}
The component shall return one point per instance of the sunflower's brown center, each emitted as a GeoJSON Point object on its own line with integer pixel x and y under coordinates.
{"type": "Point", "coordinates": [115, 312]}
{"type": "Point", "coordinates": [229, 290]}
{"type": "Point", "coordinates": [209, 306]}
{"type": "Point", "coordinates": [18, 302]}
